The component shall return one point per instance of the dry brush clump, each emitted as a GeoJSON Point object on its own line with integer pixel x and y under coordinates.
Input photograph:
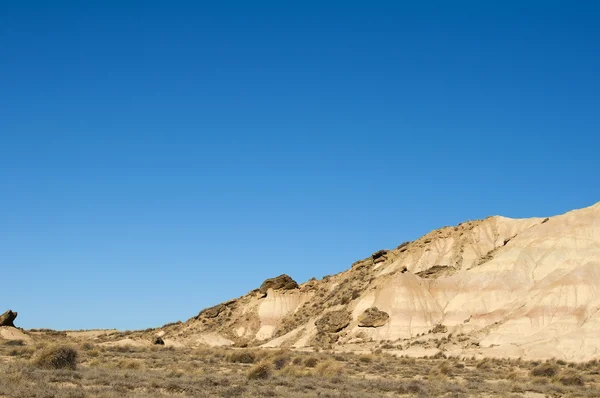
{"type": "Point", "coordinates": [262, 370]}
{"type": "Point", "coordinates": [242, 356]}
{"type": "Point", "coordinates": [57, 357]}
{"type": "Point", "coordinates": [570, 377]}
{"type": "Point", "coordinates": [546, 369]}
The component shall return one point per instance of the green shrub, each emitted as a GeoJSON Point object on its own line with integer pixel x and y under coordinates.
{"type": "Point", "coordinates": [58, 357]}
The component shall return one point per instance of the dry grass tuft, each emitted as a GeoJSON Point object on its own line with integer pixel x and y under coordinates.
{"type": "Point", "coordinates": [570, 377]}
{"type": "Point", "coordinates": [260, 371]}
{"type": "Point", "coordinates": [242, 356]}
{"type": "Point", "coordinates": [546, 369]}
{"type": "Point", "coordinates": [329, 368]}
{"type": "Point", "coordinates": [57, 357]}
{"type": "Point", "coordinates": [311, 362]}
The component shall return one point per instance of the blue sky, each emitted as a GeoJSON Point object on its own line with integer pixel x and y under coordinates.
{"type": "Point", "coordinates": [159, 158]}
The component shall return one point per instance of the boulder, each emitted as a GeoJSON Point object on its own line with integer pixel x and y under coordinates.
{"type": "Point", "coordinates": [403, 246]}
{"type": "Point", "coordinates": [333, 322]}
{"type": "Point", "coordinates": [8, 318]}
{"type": "Point", "coordinates": [282, 282]}
{"type": "Point", "coordinates": [373, 318]}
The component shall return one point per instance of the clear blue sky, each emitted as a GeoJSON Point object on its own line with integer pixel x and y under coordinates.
{"type": "Point", "coordinates": [157, 158]}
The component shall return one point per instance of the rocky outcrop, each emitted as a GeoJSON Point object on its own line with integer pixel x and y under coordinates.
{"type": "Point", "coordinates": [8, 318]}
{"type": "Point", "coordinates": [212, 312]}
{"type": "Point", "coordinates": [373, 318]}
{"type": "Point", "coordinates": [333, 322]}
{"type": "Point", "coordinates": [282, 282]}
{"type": "Point", "coordinates": [436, 271]}
{"type": "Point", "coordinates": [379, 256]}
{"type": "Point", "coordinates": [501, 287]}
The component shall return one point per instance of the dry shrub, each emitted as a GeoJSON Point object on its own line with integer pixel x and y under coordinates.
{"type": "Point", "coordinates": [15, 343]}
{"type": "Point", "coordinates": [366, 358]}
{"type": "Point", "coordinates": [242, 356]}
{"type": "Point", "coordinates": [293, 371]}
{"type": "Point", "coordinates": [445, 368]}
{"type": "Point", "coordinates": [260, 371]}
{"type": "Point", "coordinates": [281, 360]}
{"type": "Point", "coordinates": [128, 364]}
{"type": "Point", "coordinates": [93, 353]}
{"type": "Point", "coordinates": [58, 357]}
{"type": "Point", "coordinates": [87, 346]}
{"type": "Point", "coordinates": [545, 370]}
{"type": "Point", "coordinates": [311, 362]}
{"type": "Point", "coordinates": [570, 377]}
{"type": "Point", "coordinates": [484, 364]}
{"type": "Point", "coordinates": [329, 368]}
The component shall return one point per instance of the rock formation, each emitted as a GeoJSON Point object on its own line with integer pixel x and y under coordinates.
{"type": "Point", "coordinates": [282, 282]}
{"type": "Point", "coordinates": [8, 318]}
{"type": "Point", "coordinates": [333, 322]}
{"type": "Point", "coordinates": [212, 312]}
{"type": "Point", "coordinates": [373, 318]}
{"type": "Point", "coordinates": [521, 288]}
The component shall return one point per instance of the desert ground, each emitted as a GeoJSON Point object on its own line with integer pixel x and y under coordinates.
{"type": "Point", "coordinates": [45, 363]}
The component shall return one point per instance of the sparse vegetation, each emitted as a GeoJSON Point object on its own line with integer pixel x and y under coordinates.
{"type": "Point", "coordinates": [158, 371]}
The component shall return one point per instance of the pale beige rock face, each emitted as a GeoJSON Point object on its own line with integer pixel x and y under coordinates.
{"type": "Point", "coordinates": [517, 288]}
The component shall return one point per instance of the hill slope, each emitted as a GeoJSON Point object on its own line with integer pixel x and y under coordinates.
{"type": "Point", "coordinates": [495, 287]}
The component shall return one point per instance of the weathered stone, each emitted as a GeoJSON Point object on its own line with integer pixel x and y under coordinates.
{"type": "Point", "coordinates": [403, 246]}
{"type": "Point", "coordinates": [282, 282]}
{"type": "Point", "coordinates": [212, 312]}
{"type": "Point", "coordinates": [333, 322]}
{"type": "Point", "coordinates": [378, 254]}
{"type": "Point", "coordinates": [8, 318]}
{"type": "Point", "coordinates": [436, 271]}
{"type": "Point", "coordinates": [373, 318]}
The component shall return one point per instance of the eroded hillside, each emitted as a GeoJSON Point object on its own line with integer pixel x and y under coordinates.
{"type": "Point", "coordinates": [505, 287]}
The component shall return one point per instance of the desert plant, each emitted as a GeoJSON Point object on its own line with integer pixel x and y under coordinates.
{"type": "Point", "coordinates": [242, 356]}
{"type": "Point", "coordinates": [546, 369]}
{"type": "Point", "coordinates": [57, 357]}
{"type": "Point", "coordinates": [260, 371]}
{"type": "Point", "coordinates": [15, 343]}
{"type": "Point", "coordinates": [329, 368]}
{"type": "Point", "coordinates": [570, 377]}
{"type": "Point", "coordinates": [366, 358]}
{"type": "Point", "coordinates": [311, 362]}
{"type": "Point", "coordinates": [281, 360]}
